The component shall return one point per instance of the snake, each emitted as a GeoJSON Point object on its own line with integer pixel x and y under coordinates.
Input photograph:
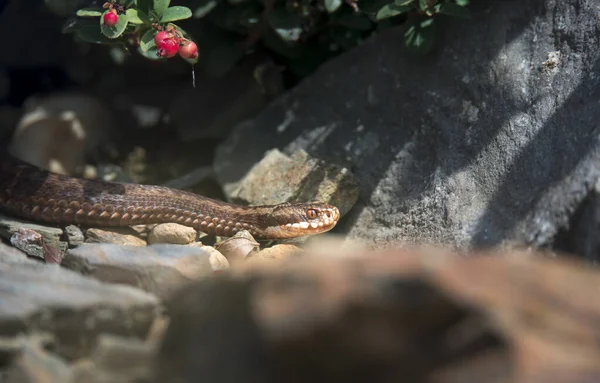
{"type": "Point", "coordinates": [37, 194]}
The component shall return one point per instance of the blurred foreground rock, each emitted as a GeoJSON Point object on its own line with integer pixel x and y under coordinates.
{"type": "Point", "coordinates": [411, 316]}
{"type": "Point", "coordinates": [40, 297]}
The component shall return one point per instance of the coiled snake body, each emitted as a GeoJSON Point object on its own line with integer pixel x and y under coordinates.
{"type": "Point", "coordinates": [36, 194]}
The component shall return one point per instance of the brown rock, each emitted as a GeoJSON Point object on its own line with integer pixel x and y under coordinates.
{"type": "Point", "coordinates": [117, 235]}
{"type": "Point", "coordinates": [159, 269]}
{"type": "Point", "coordinates": [58, 130]}
{"type": "Point", "coordinates": [417, 316]}
{"type": "Point", "coordinates": [172, 233]}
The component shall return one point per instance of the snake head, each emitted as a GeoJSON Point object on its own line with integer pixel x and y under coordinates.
{"type": "Point", "coordinates": [302, 219]}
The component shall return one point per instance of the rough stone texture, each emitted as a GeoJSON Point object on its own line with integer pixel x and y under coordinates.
{"type": "Point", "coordinates": [172, 233]}
{"type": "Point", "coordinates": [39, 297]}
{"type": "Point", "coordinates": [479, 142]}
{"type": "Point", "coordinates": [74, 235]}
{"type": "Point", "coordinates": [52, 235]}
{"type": "Point", "coordinates": [116, 235]}
{"type": "Point", "coordinates": [424, 315]}
{"type": "Point", "coordinates": [293, 178]}
{"type": "Point", "coordinates": [159, 269]}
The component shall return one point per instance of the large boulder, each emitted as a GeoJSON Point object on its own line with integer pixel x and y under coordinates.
{"type": "Point", "coordinates": [492, 137]}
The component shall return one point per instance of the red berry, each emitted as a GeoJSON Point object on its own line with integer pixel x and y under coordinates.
{"type": "Point", "coordinates": [188, 50]}
{"type": "Point", "coordinates": [162, 36]}
{"type": "Point", "coordinates": [167, 48]}
{"type": "Point", "coordinates": [110, 19]}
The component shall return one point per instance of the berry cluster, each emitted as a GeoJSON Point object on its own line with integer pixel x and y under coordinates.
{"type": "Point", "coordinates": [170, 42]}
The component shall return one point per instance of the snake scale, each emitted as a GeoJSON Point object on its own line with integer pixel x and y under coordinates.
{"type": "Point", "coordinates": [33, 193]}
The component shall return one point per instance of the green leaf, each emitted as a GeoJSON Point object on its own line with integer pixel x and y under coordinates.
{"type": "Point", "coordinates": [419, 37]}
{"type": "Point", "coordinates": [160, 6]}
{"type": "Point", "coordinates": [147, 40]}
{"type": "Point", "coordinates": [116, 30]}
{"type": "Point", "coordinates": [205, 9]}
{"type": "Point", "coordinates": [452, 9]}
{"type": "Point", "coordinates": [274, 42]}
{"type": "Point", "coordinates": [136, 17]}
{"type": "Point", "coordinates": [462, 3]}
{"type": "Point", "coordinates": [402, 3]}
{"type": "Point", "coordinates": [286, 24]}
{"type": "Point", "coordinates": [145, 6]}
{"type": "Point", "coordinates": [281, 18]}
{"type": "Point", "coordinates": [426, 23]}
{"type": "Point", "coordinates": [175, 13]}
{"type": "Point", "coordinates": [391, 10]}
{"type": "Point", "coordinates": [151, 54]}
{"type": "Point", "coordinates": [91, 12]}
{"type": "Point", "coordinates": [332, 5]}
{"type": "Point", "coordinates": [92, 34]}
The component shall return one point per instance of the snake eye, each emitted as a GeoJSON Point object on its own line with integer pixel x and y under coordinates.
{"type": "Point", "coordinates": [311, 213]}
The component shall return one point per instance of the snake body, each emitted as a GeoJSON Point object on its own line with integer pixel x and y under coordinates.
{"type": "Point", "coordinates": [36, 194]}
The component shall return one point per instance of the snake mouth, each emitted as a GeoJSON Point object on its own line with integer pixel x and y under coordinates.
{"type": "Point", "coordinates": [314, 219]}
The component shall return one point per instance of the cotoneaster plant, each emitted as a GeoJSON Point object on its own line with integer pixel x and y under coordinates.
{"type": "Point", "coordinates": [147, 26]}
{"type": "Point", "coordinates": [301, 34]}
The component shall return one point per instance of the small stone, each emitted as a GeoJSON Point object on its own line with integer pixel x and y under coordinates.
{"type": "Point", "coordinates": [118, 236]}
{"type": "Point", "coordinates": [277, 253]}
{"type": "Point", "coordinates": [239, 247]}
{"type": "Point", "coordinates": [173, 233]}
{"type": "Point", "coordinates": [74, 235]}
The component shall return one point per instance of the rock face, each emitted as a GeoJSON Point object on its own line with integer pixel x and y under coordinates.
{"type": "Point", "coordinates": [493, 137]}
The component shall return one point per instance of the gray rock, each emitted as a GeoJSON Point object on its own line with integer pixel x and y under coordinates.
{"type": "Point", "coordinates": [74, 235]}
{"type": "Point", "coordinates": [159, 268]}
{"type": "Point", "coordinates": [51, 235]}
{"type": "Point", "coordinates": [280, 178]}
{"type": "Point", "coordinates": [40, 297]}
{"type": "Point", "coordinates": [477, 143]}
